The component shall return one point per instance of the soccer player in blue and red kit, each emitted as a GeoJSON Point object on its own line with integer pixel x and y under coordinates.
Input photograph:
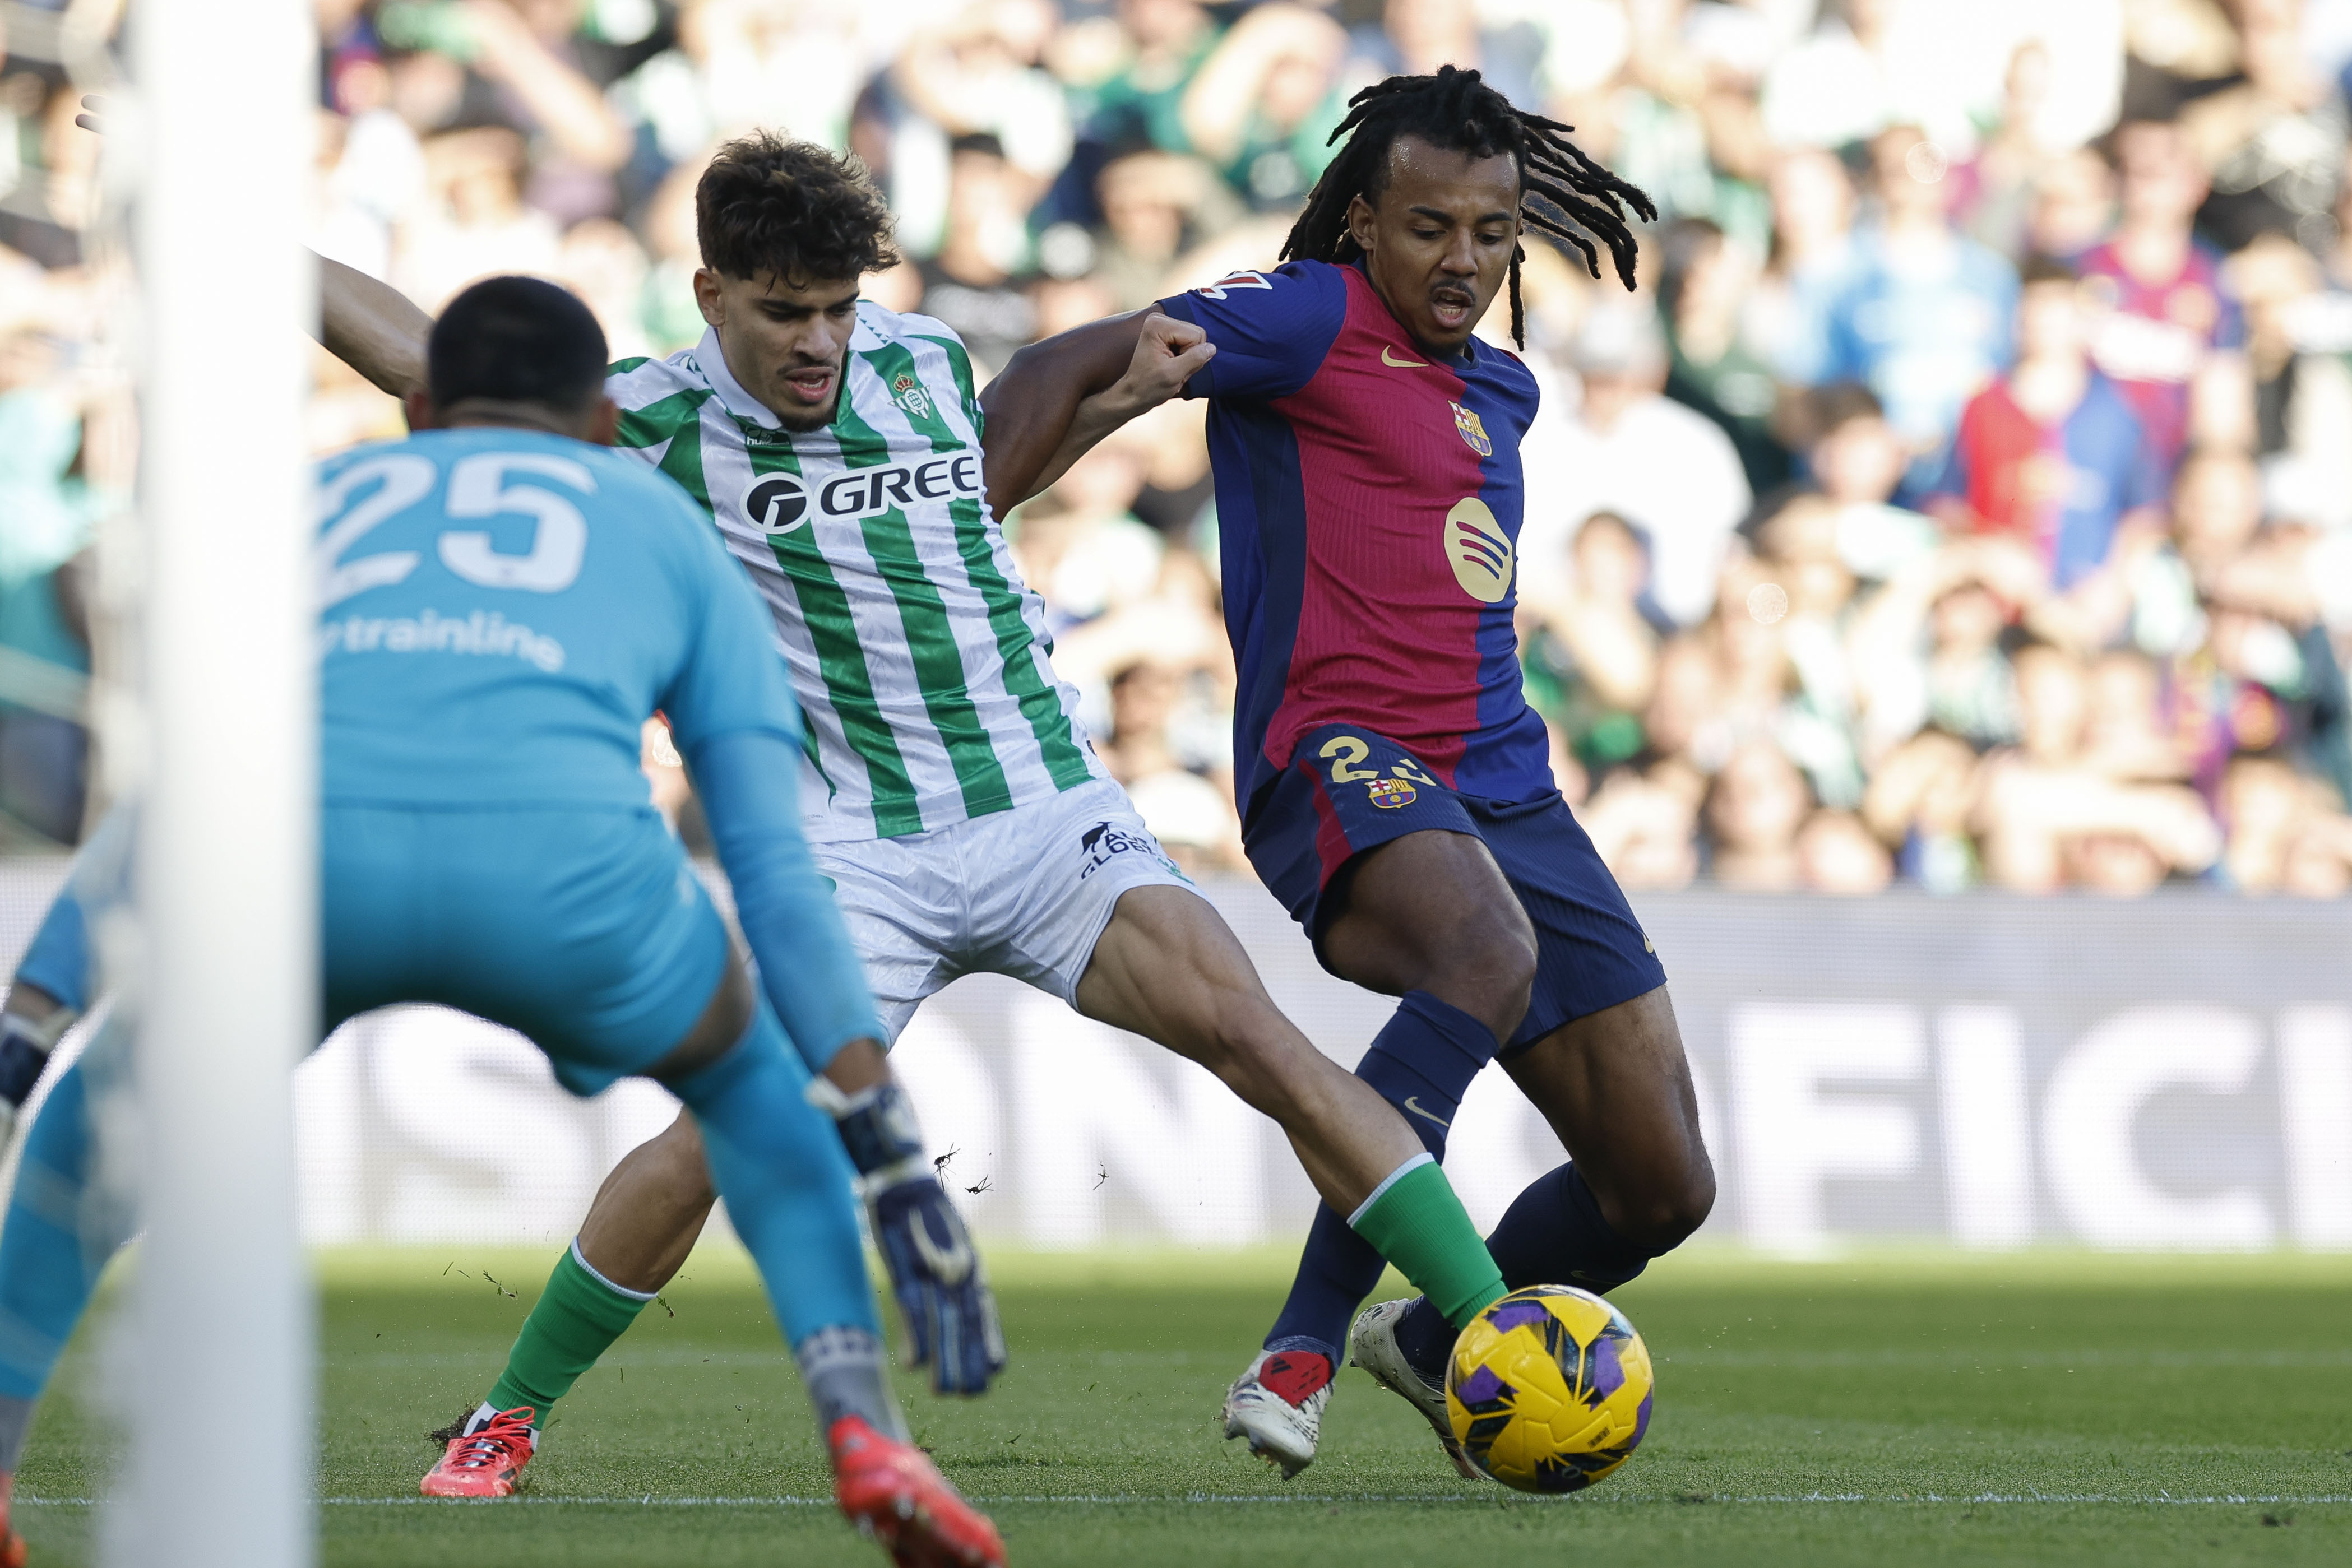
{"type": "Point", "coordinates": [1395, 788]}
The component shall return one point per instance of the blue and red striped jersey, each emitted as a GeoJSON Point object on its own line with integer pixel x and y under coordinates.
{"type": "Point", "coordinates": [2152, 338]}
{"type": "Point", "coordinates": [1369, 499]}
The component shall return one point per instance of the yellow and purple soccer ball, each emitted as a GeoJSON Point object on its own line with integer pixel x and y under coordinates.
{"type": "Point", "coordinates": [1549, 1389]}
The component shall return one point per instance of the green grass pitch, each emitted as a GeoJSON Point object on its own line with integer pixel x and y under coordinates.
{"type": "Point", "coordinates": [1886, 1410]}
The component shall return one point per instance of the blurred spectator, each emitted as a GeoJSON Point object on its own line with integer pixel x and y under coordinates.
{"type": "Point", "coordinates": [1836, 853]}
{"type": "Point", "coordinates": [2049, 821]}
{"type": "Point", "coordinates": [2166, 315]}
{"type": "Point", "coordinates": [1156, 48]}
{"type": "Point", "coordinates": [1630, 450]}
{"type": "Point", "coordinates": [2287, 832]}
{"type": "Point", "coordinates": [788, 65]}
{"type": "Point", "coordinates": [1859, 462]}
{"type": "Point", "coordinates": [2051, 455]}
{"type": "Point", "coordinates": [2274, 142]}
{"type": "Point", "coordinates": [1263, 105]}
{"type": "Point", "coordinates": [1155, 206]}
{"type": "Point", "coordinates": [2302, 403]}
{"type": "Point", "coordinates": [1080, 544]}
{"type": "Point", "coordinates": [1644, 825]}
{"type": "Point", "coordinates": [973, 283]}
{"type": "Point", "coordinates": [1703, 287]}
{"type": "Point", "coordinates": [1190, 815]}
{"type": "Point", "coordinates": [1923, 316]}
{"type": "Point", "coordinates": [1755, 809]}
{"type": "Point", "coordinates": [1812, 248]}
{"type": "Point", "coordinates": [979, 75]}
{"type": "Point", "coordinates": [2074, 203]}
{"type": "Point", "coordinates": [477, 223]}
{"type": "Point", "coordinates": [1592, 653]}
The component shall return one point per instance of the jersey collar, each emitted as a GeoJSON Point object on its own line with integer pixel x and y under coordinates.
{"type": "Point", "coordinates": [712, 361]}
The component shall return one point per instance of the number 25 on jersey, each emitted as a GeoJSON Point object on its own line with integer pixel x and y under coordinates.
{"type": "Point", "coordinates": [480, 488]}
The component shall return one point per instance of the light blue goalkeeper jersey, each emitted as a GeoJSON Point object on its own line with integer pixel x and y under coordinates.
{"type": "Point", "coordinates": [501, 610]}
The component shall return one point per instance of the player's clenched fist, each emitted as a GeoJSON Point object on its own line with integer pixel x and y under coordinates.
{"type": "Point", "coordinates": [1168, 354]}
{"type": "Point", "coordinates": [935, 1270]}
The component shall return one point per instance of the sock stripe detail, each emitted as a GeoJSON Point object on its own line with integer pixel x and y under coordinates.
{"type": "Point", "coordinates": [640, 1297]}
{"type": "Point", "coordinates": [1388, 1181]}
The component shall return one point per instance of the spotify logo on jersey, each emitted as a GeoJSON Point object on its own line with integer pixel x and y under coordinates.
{"type": "Point", "coordinates": [776, 503]}
{"type": "Point", "coordinates": [1478, 550]}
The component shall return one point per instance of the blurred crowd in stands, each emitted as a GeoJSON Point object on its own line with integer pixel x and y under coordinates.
{"type": "Point", "coordinates": [1964, 499]}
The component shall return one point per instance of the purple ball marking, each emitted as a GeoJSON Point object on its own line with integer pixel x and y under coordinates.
{"type": "Point", "coordinates": [1640, 1421]}
{"type": "Point", "coordinates": [1479, 1386]}
{"type": "Point", "coordinates": [1608, 1371]}
{"type": "Point", "coordinates": [1517, 1315]}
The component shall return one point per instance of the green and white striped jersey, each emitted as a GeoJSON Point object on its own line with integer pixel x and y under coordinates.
{"type": "Point", "coordinates": [918, 654]}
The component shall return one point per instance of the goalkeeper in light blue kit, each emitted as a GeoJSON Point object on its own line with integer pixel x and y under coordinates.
{"type": "Point", "coordinates": [502, 605]}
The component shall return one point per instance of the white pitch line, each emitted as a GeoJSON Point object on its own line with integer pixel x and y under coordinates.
{"type": "Point", "coordinates": [1324, 1498]}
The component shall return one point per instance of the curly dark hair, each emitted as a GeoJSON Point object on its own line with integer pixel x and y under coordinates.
{"type": "Point", "coordinates": [794, 208]}
{"type": "Point", "coordinates": [1562, 193]}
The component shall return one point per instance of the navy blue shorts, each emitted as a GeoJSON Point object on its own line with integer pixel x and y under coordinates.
{"type": "Point", "coordinates": [1347, 790]}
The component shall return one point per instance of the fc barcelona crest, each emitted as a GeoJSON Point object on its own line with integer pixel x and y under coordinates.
{"type": "Point", "coordinates": [1473, 431]}
{"type": "Point", "coordinates": [1390, 793]}
{"type": "Point", "coordinates": [909, 393]}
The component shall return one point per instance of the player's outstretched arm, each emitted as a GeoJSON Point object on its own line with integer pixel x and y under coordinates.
{"type": "Point", "coordinates": [1058, 398]}
{"type": "Point", "coordinates": [372, 326]}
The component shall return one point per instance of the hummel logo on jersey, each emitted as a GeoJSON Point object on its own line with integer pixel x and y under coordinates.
{"type": "Point", "coordinates": [1388, 358]}
{"type": "Point", "coordinates": [779, 503]}
{"type": "Point", "coordinates": [1104, 840]}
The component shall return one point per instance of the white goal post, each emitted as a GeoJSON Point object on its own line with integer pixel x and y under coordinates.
{"type": "Point", "coordinates": [222, 123]}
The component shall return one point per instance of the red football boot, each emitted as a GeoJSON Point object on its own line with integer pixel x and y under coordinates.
{"type": "Point", "coordinates": [12, 1545]}
{"type": "Point", "coordinates": [485, 1462]}
{"type": "Point", "coordinates": [893, 1493]}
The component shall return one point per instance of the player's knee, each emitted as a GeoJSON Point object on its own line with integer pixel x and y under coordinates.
{"type": "Point", "coordinates": [1666, 1212]}
{"type": "Point", "coordinates": [1486, 967]}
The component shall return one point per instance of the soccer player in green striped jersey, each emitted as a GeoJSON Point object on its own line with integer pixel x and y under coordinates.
{"type": "Point", "coordinates": [953, 796]}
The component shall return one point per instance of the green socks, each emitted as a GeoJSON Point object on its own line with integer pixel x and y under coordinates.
{"type": "Point", "coordinates": [576, 1319]}
{"type": "Point", "coordinates": [1414, 1221]}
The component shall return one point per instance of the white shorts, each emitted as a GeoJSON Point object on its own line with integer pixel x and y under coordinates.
{"type": "Point", "coordinates": [1024, 892]}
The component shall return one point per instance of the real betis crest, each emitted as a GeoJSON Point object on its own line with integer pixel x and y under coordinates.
{"type": "Point", "coordinates": [909, 393]}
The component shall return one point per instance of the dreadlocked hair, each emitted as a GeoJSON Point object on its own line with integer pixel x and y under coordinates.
{"type": "Point", "coordinates": [1562, 193]}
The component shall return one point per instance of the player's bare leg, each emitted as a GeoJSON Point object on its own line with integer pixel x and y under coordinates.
{"type": "Point", "coordinates": [1168, 968]}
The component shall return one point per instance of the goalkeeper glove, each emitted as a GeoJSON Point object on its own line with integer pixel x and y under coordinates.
{"type": "Point", "coordinates": [935, 1271]}
{"type": "Point", "coordinates": [25, 1048]}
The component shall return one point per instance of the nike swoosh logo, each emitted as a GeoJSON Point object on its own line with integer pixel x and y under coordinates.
{"type": "Point", "coordinates": [1388, 358]}
{"type": "Point", "coordinates": [1412, 1104]}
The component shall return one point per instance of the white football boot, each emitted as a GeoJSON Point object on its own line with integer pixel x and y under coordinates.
{"type": "Point", "coordinates": [1372, 1346]}
{"type": "Point", "coordinates": [1278, 1405]}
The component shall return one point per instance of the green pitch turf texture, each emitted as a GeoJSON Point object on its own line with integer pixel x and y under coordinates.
{"type": "Point", "coordinates": [2054, 1409]}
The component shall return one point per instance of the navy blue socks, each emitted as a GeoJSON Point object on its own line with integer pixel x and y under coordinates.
{"type": "Point", "coordinates": [1421, 1064]}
